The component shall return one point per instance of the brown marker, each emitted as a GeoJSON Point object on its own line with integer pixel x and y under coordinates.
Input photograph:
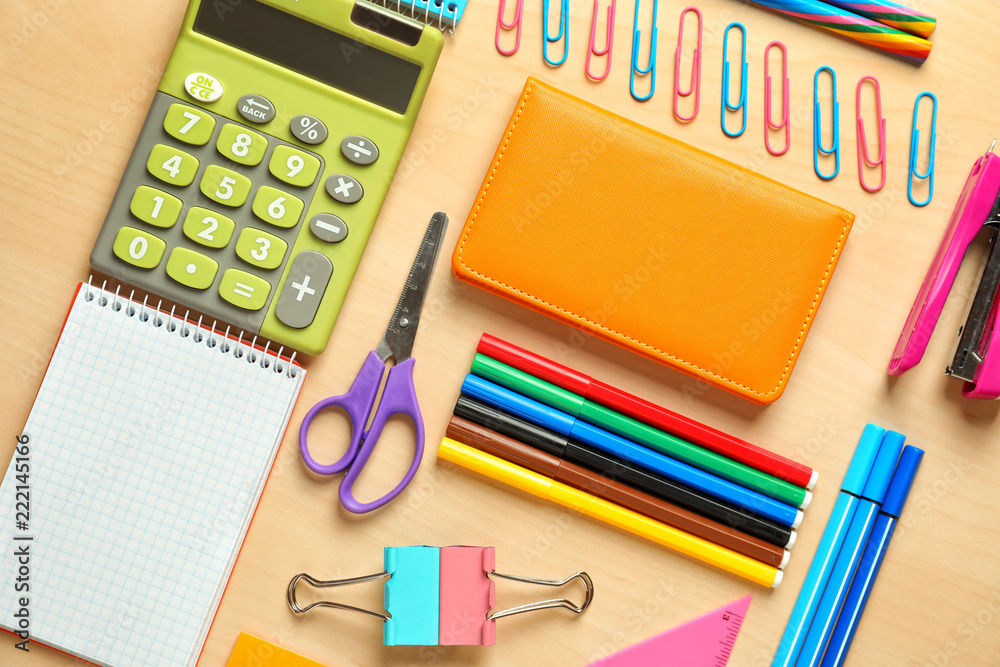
{"type": "Point", "coordinates": [555, 468]}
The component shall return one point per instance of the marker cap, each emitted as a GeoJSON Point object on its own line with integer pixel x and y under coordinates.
{"type": "Point", "coordinates": [863, 459]}
{"type": "Point", "coordinates": [884, 466]}
{"type": "Point", "coordinates": [902, 480]}
{"type": "Point", "coordinates": [514, 403]}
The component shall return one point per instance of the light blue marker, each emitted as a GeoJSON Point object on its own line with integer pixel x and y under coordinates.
{"type": "Point", "coordinates": [850, 553]}
{"type": "Point", "coordinates": [871, 560]}
{"type": "Point", "coordinates": [829, 546]}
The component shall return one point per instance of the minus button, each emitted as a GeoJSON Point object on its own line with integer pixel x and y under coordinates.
{"type": "Point", "coordinates": [328, 227]}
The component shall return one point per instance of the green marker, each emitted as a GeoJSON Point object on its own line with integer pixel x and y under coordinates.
{"type": "Point", "coordinates": [636, 431]}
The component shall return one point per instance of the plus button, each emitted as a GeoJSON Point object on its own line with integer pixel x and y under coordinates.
{"type": "Point", "coordinates": [303, 288]}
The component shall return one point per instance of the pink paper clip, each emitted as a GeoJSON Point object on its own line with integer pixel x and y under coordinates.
{"type": "Point", "coordinates": [695, 85]}
{"type": "Point", "coordinates": [863, 157]}
{"type": "Point", "coordinates": [609, 41]}
{"type": "Point", "coordinates": [467, 596]}
{"type": "Point", "coordinates": [513, 25]}
{"type": "Point", "coordinates": [769, 124]}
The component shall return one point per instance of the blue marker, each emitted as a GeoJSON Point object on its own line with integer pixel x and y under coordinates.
{"type": "Point", "coordinates": [871, 560]}
{"type": "Point", "coordinates": [609, 443]}
{"type": "Point", "coordinates": [850, 553]}
{"type": "Point", "coordinates": [829, 546]}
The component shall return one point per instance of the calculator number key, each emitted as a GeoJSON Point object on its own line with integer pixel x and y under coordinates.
{"type": "Point", "coordinates": [225, 186]}
{"type": "Point", "coordinates": [241, 145]}
{"type": "Point", "coordinates": [276, 207]}
{"type": "Point", "coordinates": [192, 269]}
{"type": "Point", "coordinates": [171, 165]}
{"type": "Point", "coordinates": [243, 289]}
{"type": "Point", "coordinates": [293, 167]}
{"type": "Point", "coordinates": [260, 248]}
{"type": "Point", "coordinates": [138, 248]}
{"type": "Point", "coordinates": [155, 207]}
{"type": "Point", "coordinates": [190, 125]}
{"type": "Point", "coordinates": [208, 227]}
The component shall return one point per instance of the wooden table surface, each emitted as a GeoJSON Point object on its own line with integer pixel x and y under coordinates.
{"type": "Point", "coordinates": [76, 79]}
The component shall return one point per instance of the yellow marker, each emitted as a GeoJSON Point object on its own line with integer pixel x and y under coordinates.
{"type": "Point", "coordinates": [253, 652]}
{"type": "Point", "coordinates": [609, 513]}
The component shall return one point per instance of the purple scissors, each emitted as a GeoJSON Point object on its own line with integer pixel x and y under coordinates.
{"type": "Point", "coordinates": [399, 397]}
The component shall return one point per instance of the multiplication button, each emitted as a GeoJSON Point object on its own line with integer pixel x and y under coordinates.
{"type": "Point", "coordinates": [344, 189]}
{"type": "Point", "coordinates": [328, 227]}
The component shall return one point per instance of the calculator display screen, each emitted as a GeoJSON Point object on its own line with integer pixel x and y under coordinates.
{"type": "Point", "coordinates": [312, 50]}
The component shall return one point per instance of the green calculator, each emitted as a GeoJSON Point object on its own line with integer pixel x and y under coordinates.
{"type": "Point", "coordinates": [264, 160]}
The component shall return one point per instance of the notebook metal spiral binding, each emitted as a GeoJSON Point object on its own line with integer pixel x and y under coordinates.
{"type": "Point", "coordinates": [211, 336]}
{"type": "Point", "coordinates": [442, 14]}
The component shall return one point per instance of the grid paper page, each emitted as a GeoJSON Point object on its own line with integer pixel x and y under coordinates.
{"type": "Point", "coordinates": [149, 452]}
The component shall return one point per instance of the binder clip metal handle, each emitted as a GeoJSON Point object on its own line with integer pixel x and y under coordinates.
{"type": "Point", "coordinates": [318, 583]}
{"type": "Point", "coordinates": [554, 603]}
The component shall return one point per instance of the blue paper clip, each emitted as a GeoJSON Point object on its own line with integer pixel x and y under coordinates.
{"type": "Point", "coordinates": [726, 106]}
{"type": "Point", "coordinates": [914, 142]}
{"type": "Point", "coordinates": [650, 68]}
{"type": "Point", "coordinates": [563, 31]}
{"type": "Point", "coordinates": [818, 147]}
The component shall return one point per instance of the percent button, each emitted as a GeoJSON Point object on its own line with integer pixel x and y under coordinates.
{"type": "Point", "coordinates": [359, 150]}
{"type": "Point", "coordinates": [308, 129]}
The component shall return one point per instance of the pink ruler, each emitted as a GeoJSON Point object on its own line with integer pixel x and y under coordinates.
{"type": "Point", "coordinates": [706, 641]}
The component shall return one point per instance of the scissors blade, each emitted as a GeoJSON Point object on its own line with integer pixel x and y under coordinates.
{"type": "Point", "coordinates": [399, 335]}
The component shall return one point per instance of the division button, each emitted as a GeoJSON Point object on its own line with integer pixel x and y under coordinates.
{"type": "Point", "coordinates": [359, 150]}
{"type": "Point", "coordinates": [308, 129]}
{"type": "Point", "coordinates": [344, 188]}
{"type": "Point", "coordinates": [256, 108]}
{"type": "Point", "coordinates": [304, 288]}
{"type": "Point", "coordinates": [328, 227]}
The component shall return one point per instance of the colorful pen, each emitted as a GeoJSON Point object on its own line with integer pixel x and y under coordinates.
{"type": "Point", "coordinates": [616, 469]}
{"type": "Point", "coordinates": [844, 567]}
{"type": "Point", "coordinates": [829, 546]}
{"type": "Point", "coordinates": [610, 443]}
{"type": "Point", "coordinates": [519, 453]}
{"type": "Point", "coordinates": [634, 430]}
{"type": "Point", "coordinates": [611, 514]}
{"type": "Point", "coordinates": [646, 412]}
{"type": "Point", "coordinates": [871, 560]}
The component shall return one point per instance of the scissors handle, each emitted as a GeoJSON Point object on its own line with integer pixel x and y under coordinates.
{"type": "Point", "coordinates": [357, 403]}
{"type": "Point", "coordinates": [399, 397]}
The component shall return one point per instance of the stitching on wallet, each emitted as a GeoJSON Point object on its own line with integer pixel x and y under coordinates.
{"type": "Point", "coordinates": [732, 383]}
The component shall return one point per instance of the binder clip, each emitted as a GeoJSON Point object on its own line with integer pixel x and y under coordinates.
{"type": "Point", "coordinates": [978, 208]}
{"type": "Point", "coordinates": [440, 596]}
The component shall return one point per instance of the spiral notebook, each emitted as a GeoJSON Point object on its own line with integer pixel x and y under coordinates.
{"type": "Point", "coordinates": [149, 443]}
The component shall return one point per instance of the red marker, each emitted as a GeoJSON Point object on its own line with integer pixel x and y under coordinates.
{"type": "Point", "coordinates": [654, 415]}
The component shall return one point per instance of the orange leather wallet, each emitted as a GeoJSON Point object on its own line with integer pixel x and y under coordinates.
{"type": "Point", "coordinates": [649, 243]}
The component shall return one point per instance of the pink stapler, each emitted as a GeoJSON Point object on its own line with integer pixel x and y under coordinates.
{"type": "Point", "coordinates": [977, 208]}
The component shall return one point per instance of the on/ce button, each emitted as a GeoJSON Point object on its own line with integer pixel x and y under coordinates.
{"type": "Point", "coordinates": [203, 87]}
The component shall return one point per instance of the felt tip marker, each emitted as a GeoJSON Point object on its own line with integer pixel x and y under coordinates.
{"type": "Point", "coordinates": [829, 547]}
{"type": "Point", "coordinates": [871, 560]}
{"type": "Point", "coordinates": [648, 413]}
{"type": "Point", "coordinates": [850, 552]}
{"type": "Point", "coordinates": [519, 453]}
{"type": "Point", "coordinates": [636, 431]}
{"type": "Point", "coordinates": [613, 468]}
{"type": "Point", "coordinates": [609, 513]}
{"type": "Point", "coordinates": [614, 445]}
